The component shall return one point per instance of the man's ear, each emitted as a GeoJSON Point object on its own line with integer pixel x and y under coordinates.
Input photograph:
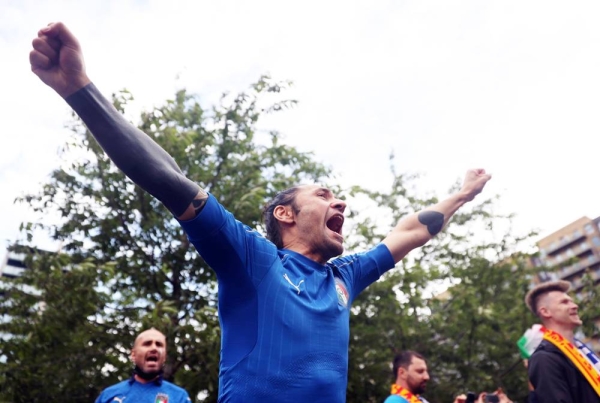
{"type": "Point", "coordinates": [401, 373]}
{"type": "Point", "coordinates": [544, 312]}
{"type": "Point", "coordinates": [284, 214]}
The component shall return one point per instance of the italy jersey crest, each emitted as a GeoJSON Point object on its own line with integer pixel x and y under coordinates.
{"type": "Point", "coordinates": [342, 292]}
{"type": "Point", "coordinates": [161, 398]}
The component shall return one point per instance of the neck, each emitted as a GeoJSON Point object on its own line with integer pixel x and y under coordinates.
{"type": "Point", "coordinates": [142, 380]}
{"type": "Point", "coordinates": [305, 251]}
{"type": "Point", "coordinates": [144, 377]}
{"type": "Point", "coordinates": [399, 382]}
{"type": "Point", "coordinates": [565, 331]}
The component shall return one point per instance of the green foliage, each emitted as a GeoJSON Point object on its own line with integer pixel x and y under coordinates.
{"type": "Point", "coordinates": [126, 265]}
{"type": "Point", "coordinates": [158, 280]}
{"type": "Point", "coordinates": [58, 343]}
{"type": "Point", "coordinates": [467, 333]}
{"type": "Point", "coordinates": [589, 305]}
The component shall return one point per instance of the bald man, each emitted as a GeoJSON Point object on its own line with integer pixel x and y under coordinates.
{"type": "Point", "coordinates": [148, 355]}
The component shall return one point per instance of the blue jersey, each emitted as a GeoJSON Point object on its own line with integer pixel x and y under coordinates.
{"type": "Point", "coordinates": [284, 318]}
{"type": "Point", "coordinates": [400, 399]}
{"type": "Point", "coordinates": [130, 391]}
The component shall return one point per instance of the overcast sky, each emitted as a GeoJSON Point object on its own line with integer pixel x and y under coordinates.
{"type": "Point", "coordinates": [509, 86]}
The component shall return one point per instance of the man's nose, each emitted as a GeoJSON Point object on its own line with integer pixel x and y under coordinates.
{"type": "Point", "coordinates": [339, 205]}
{"type": "Point", "coordinates": [426, 376]}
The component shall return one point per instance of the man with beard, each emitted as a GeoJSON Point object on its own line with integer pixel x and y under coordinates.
{"type": "Point", "coordinates": [148, 355]}
{"type": "Point", "coordinates": [284, 301]}
{"type": "Point", "coordinates": [411, 377]}
{"type": "Point", "coordinates": [562, 369]}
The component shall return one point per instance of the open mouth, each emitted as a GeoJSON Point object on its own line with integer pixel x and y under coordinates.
{"type": "Point", "coordinates": [152, 358]}
{"type": "Point", "coordinates": [335, 223]}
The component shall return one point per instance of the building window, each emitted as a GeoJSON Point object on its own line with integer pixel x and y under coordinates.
{"type": "Point", "coordinates": [577, 233]}
{"type": "Point", "coordinates": [589, 228]}
{"type": "Point", "coordinates": [596, 241]}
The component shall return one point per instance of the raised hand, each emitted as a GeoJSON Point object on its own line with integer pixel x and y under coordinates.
{"type": "Point", "coordinates": [57, 59]}
{"type": "Point", "coordinates": [474, 182]}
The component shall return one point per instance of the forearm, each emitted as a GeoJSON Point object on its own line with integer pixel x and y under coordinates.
{"type": "Point", "coordinates": [417, 229]}
{"type": "Point", "coordinates": [134, 152]}
{"type": "Point", "coordinates": [430, 221]}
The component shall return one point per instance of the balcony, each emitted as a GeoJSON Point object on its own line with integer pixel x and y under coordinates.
{"type": "Point", "coordinates": [568, 271]}
{"type": "Point", "coordinates": [566, 241]}
{"type": "Point", "coordinates": [12, 271]}
{"type": "Point", "coordinates": [583, 247]}
{"type": "Point", "coordinates": [577, 284]}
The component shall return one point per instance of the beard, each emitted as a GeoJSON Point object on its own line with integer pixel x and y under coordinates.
{"type": "Point", "coordinates": [418, 388]}
{"type": "Point", "coordinates": [147, 376]}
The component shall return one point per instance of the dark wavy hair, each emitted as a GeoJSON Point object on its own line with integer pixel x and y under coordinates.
{"type": "Point", "coordinates": [404, 359]}
{"type": "Point", "coordinates": [283, 198]}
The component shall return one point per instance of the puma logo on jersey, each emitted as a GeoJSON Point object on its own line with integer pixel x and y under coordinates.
{"type": "Point", "coordinates": [119, 399]}
{"type": "Point", "coordinates": [297, 287]}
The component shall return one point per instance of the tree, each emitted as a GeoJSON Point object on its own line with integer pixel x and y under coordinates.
{"type": "Point", "coordinates": [468, 333]}
{"type": "Point", "coordinates": [158, 279]}
{"type": "Point", "coordinates": [588, 299]}
{"type": "Point", "coordinates": [54, 343]}
{"type": "Point", "coordinates": [126, 265]}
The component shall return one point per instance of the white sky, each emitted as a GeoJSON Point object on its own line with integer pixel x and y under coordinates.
{"type": "Point", "coordinates": [510, 86]}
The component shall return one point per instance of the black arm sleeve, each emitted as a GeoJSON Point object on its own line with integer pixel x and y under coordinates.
{"type": "Point", "coordinates": [134, 152]}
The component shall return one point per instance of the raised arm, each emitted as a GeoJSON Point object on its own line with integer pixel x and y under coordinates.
{"type": "Point", "coordinates": [57, 60]}
{"type": "Point", "coordinates": [417, 229]}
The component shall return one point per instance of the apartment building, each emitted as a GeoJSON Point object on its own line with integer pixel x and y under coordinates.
{"type": "Point", "coordinates": [13, 265]}
{"type": "Point", "coordinates": [572, 250]}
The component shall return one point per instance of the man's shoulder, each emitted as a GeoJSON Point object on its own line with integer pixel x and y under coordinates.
{"type": "Point", "coordinates": [547, 361]}
{"type": "Point", "coordinates": [171, 385]}
{"type": "Point", "coordinates": [395, 399]}
{"type": "Point", "coordinates": [110, 391]}
{"type": "Point", "coordinates": [545, 349]}
{"type": "Point", "coordinates": [379, 252]}
{"type": "Point", "coordinates": [546, 353]}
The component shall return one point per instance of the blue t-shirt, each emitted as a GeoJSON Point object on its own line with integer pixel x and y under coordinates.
{"type": "Point", "coordinates": [131, 391]}
{"type": "Point", "coordinates": [284, 318]}
{"type": "Point", "coordinates": [400, 399]}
